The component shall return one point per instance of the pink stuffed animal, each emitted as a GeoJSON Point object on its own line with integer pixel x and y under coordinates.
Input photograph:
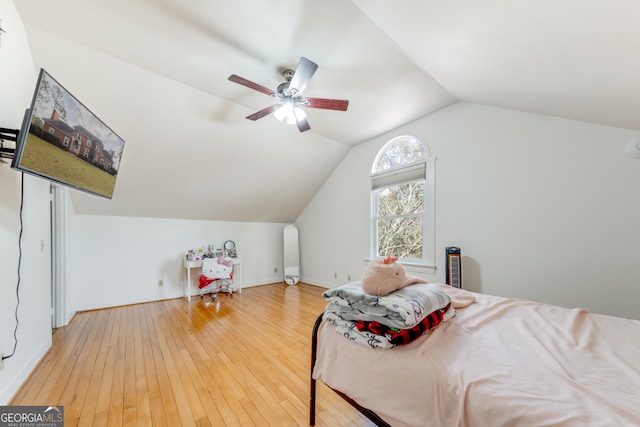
{"type": "Point", "coordinates": [383, 276]}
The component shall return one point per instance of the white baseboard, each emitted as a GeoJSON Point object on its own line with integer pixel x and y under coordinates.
{"type": "Point", "coordinates": [14, 385]}
{"type": "Point", "coordinates": [318, 283]}
{"type": "Point", "coordinates": [114, 301]}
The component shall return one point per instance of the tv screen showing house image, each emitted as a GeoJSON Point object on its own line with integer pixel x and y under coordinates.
{"type": "Point", "coordinates": [63, 141]}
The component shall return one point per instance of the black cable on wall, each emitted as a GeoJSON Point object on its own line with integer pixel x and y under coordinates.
{"type": "Point", "coordinates": [15, 331]}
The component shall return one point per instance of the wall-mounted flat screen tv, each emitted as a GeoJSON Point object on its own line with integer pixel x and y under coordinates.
{"type": "Point", "coordinates": [63, 141]}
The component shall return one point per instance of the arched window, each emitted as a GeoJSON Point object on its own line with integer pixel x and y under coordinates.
{"type": "Point", "coordinates": [403, 196]}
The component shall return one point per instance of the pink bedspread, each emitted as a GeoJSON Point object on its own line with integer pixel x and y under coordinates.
{"type": "Point", "coordinates": [498, 362]}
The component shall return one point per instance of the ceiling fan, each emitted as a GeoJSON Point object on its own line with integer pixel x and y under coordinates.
{"type": "Point", "coordinates": [290, 96]}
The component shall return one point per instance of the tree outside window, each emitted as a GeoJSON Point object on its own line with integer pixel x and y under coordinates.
{"type": "Point", "coordinates": [401, 223]}
{"type": "Point", "coordinates": [399, 220]}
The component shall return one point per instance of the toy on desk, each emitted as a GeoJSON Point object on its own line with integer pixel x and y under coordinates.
{"type": "Point", "coordinates": [195, 255]}
{"type": "Point", "coordinates": [217, 275]}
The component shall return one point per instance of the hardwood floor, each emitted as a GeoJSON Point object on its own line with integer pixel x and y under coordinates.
{"type": "Point", "coordinates": [241, 361]}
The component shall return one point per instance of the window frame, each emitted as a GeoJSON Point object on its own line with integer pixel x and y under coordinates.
{"type": "Point", "coordinates": [422, 169]}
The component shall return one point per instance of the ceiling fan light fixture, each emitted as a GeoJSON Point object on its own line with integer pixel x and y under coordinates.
{"type": "Point", "coordinates": [290, 114]}
{"type": "Point", "coordinates": [283, 113]}
{"type": "Point", "coordinates": [299, 114]}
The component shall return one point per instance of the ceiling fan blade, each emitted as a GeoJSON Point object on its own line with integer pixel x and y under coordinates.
{"type": "Point", "coordinates": [248, 83]}
{"type": "Point", "coordinates": [328, 104]}
{"type": "Point", "coordinates": [264, 112]}
{"type": "Point", "coordinates": [303, 74]}
{"type": "Point", "coordinates": [303, 125]}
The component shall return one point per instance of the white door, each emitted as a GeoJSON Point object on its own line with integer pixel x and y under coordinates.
{"type": "Point", "coordinates": [58, 256]}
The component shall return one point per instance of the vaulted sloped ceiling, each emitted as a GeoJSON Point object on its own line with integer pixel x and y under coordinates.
{"type": "Point", "coordinates": [156, 72]}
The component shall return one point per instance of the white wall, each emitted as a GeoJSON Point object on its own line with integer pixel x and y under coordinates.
{"type": "Point", "coordinates": [120, 260]}
{"type": "Point", "coordinates": [543, 208]}
{"type": "Point", "coordinates": [17, 81]}
{"type": "Point", "coordinates": [109, 260]}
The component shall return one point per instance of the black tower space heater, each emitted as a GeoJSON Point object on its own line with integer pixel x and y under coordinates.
{"type": "Point", "coordinates": [454, 267]}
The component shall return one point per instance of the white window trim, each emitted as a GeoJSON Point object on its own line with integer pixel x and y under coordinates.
{"type": "Point", "coordinates": [428, 264]}
{"type": "Point", "coordinates": [430, 214]}
{"type": "Point", "coordinates": [411, 267]}
{"type": "Point", "coordinates": [399, 175]}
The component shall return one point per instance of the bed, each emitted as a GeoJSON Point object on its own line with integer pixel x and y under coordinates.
{"type": "Point", "coordinates": [496, 362]}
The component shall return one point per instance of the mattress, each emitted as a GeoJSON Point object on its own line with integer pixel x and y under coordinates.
{"type": "Point", "coordinates": [497, 362]}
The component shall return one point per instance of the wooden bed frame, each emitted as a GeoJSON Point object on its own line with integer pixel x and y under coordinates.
{"type": "Point", "coordinates": [375, 418]}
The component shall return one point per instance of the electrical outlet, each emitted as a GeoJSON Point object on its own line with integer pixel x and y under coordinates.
{"type": "Point", "coordinates": [335, 275]}
{"type": "Point", "coordinates": [160, 283]}
{"type": "Point", "coordinates": [1, 361]}
{"type": "Point", "coordinates": [275, 269]}
{"type": "Point", "coordinates": [349, 277]}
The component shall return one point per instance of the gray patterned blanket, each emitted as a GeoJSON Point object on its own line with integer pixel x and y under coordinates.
{"type": "Point", "coordinates": [403, 308]}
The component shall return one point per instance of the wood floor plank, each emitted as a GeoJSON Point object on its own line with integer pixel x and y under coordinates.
{"type": "Point", "coordinates": [149, 365]}
{"type": "Point", "coordinates": [157, 411]}
{"type": "Point", "coordinates": [116, 396]}
{"type": "Point", "coordinates": [241, 361]}
{"type": "Point", "coordinates": [143, 410]}
{"type": "Point", "coordinates": [100, 419]}
{"type": "Point", "coordinates": [179, 395]}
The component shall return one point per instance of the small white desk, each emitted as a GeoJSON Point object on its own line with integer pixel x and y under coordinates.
{"type": "Point", "coordinates": [237, 275]}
